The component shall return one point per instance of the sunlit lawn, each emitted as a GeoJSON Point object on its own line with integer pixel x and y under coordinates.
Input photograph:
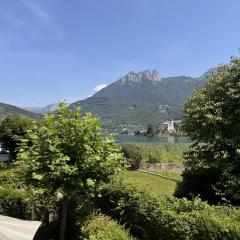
{"type": "Point", "coordinates": [174, 174]}
{"type": "Point", "coordinates": [155, 185]}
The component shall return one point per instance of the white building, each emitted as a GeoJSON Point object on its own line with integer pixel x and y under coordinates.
{"type": "Point", "coordinates": [170, 125]}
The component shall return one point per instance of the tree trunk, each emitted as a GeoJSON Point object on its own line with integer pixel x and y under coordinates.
{"type": "Point", "coordinates": [64, 218]}
{"type": "Point", "coordinates": [33, 212]}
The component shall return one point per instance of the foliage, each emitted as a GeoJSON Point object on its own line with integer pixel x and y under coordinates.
{"type": "Point", "coordinates": [102, 227]}
{"type": "Point", "coordinates": [12, 129]}
{"type": "Point", "coordinates": [14, 199]}
{"type": "Point", "coordinates": [199, 182]}
{"type": "Point", "coordinates": [68, 155]}
{"type": "Point", "coordinates": [150, 217]}
{"type": "Point", "coordinates": [155, 152]}
{"type": "Point", "coordinates": [133, 154]}
{"type": "Point", "coordinates": [151, 130]}
{"type": "Point", "coordinates": [9, 176]}
{"type": "Point", "coordinates": [14, 203]}
{"type": "Point", "coordinates": [212, 115]}
{"type": "Point", "coordinates": [153, 157]}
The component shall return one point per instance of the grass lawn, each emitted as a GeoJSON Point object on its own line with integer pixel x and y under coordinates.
{"type": "Point", "coordinates": [155, 185]}
{"type": "Point", "coordinates": [174, 174]}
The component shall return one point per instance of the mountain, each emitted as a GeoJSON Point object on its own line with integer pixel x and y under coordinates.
{"type": "Point", "coordinates": [37, 110]}
{"type": "Point", "coordinates": [50, 108]}
{"type": "Point", "coordinates": [141, 98]}
{"type": "Point", "coordinates": [41, 110]}
{"type": "Point", "coordinates": [10, 110]}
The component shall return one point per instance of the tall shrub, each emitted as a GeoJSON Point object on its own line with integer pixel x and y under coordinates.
{"type": "Point", "coordinates": [212, 121]}
{"type": "Point", "coordinates": [68, 155]}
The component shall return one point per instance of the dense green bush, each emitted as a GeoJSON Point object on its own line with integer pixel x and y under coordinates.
{"type": "Point", "coordinates": [153, 157]}
{"type": "Point", "coordinates": [133, 154]}
{"type": "Point", "coordinates": [9, 176]}
{"type": "Point", "coordinates": [211, 121]}
{"type": "Point", "coordinates": [199, 182]}
{"type": "Point", "coordinates": [102, 227]}
{"type": "Point", "coordinates": [13, 203]}
{"type": "Point", "coordinates": [149, 217]}
{"type": "Point", "coordinates": [12, 129]}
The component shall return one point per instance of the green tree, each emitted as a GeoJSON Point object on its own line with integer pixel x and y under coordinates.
{"type": "Point", "coordinates": [212, 121]}
{"type": "Point", "coordinates": [133, 154]}
{"type": "Point", "coordinates": [68, 155]}
{"type": "Point", "coordinates": [12, 130]}
{"type": "Point", "coordinates": [150, 130]}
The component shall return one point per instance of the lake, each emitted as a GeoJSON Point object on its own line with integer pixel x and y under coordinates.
{"type": "Point", "coordinates": [160, 139]}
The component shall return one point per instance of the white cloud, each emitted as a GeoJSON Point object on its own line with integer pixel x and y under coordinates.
{"type": "Point", "coordinates": [100, 87]}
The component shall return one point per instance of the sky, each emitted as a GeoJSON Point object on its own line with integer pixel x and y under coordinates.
{"type": "Point", "coordinates": [53, 50]}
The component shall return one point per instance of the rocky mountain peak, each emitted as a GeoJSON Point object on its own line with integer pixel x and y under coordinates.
{"type": "Point", "coordinates": [143, 76]}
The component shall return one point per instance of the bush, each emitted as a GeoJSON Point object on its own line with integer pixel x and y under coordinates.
{"type": "Point", "coordinates": [211, 120]}
{"type": "Point", "coordinates": [9, 176]}
{"type": "Point", "coordinates": [102, 227]}
{"type": "Point", "coordinates": [153, 157]}
{"type": "Point", "coordinates": [133, 154]}
{"type": "Point", "coordinates": [13, 203]}
{"type": "Point", "coordinates": [149, 217]}
{"type": "Point", "coordinates": [199, 182]}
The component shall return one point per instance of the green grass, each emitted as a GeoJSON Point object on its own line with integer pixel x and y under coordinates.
{"type": "Point", "coordinates": [155, 185]}
{"type": "Point", "coordinates": [174, 174]}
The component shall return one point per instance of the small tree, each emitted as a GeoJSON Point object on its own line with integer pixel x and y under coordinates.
{"type": "Point", "coordinates": [68, 155]}
{"type": "Point", "coordinates": [150, 130]}
{"type": "Point", "coordinates": [133, 154]}
{"type": "Point", "coordinates": [212, 121]}
{"type": "Point", "coordinates": [12, 129]}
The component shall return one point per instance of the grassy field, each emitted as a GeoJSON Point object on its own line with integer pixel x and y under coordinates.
{"type": "Point", "coordinates": [164, 184]}
{"type": "Point", "coordinates": [155, 185]}
{"type": "Point", "coordinates": [173, 174]}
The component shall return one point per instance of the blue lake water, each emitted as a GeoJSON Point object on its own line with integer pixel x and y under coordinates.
{"type": "Point", "coordinates": [157, 139]}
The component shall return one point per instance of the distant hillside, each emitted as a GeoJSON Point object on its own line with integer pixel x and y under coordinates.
{"type": "Point", "coordinates": [10, 110]}
{"type": "Point", "coordinates": [41, 110]}
{"type": "Point", "coordinates": [37, 110]}
{"type": "Point", "coordinates": [51, 107]}
{"type": "Point", "coordinates": [141, 98]}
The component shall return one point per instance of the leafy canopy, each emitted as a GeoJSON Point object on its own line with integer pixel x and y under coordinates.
{"type": "Point", "coordinates": [212, 120]}
{"type": "Point", "coordinates": [12, 129]}
{"type": "Point", "coordinates": [68, 153]}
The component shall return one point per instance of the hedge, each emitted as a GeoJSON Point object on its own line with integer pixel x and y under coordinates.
{"type": "Point", "coordinates": [150, 217]}
{"type": "Point", "coordinates": [13, 203]}
{"type": "Point", "coordinates": [102, 227]}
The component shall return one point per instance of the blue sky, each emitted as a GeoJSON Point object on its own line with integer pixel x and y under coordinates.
{"type": "Point", "coordinates": [52, 50]}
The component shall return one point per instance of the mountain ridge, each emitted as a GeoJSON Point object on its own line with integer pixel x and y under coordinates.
{"type": "Point", "coordinates": [10, 110]}
{"type": "Point", "coordinates": [135, 99]}
{"type": "Point", "coordinates": [141, 98]}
